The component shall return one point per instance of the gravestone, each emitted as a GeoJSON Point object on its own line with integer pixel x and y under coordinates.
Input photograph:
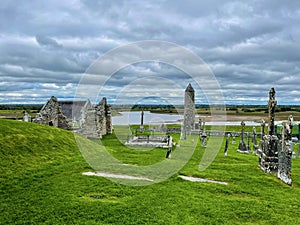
{"type": "Point", "coordinates": [203, 139]}
{"type": "Point", "coordinates": [168, 156]}
{"type": "Point", "coordinates": [26, 117]}
{"type": "Point", "coordinates": [226, 145]}
{"type": "Point", "coordinates": [268, 152]}
{"type": "Point", "coordinates": [285, 156]}
{"type": "Point", "coordinates": [242, 146]}
{"type": "Point", "coordinates": [203, 136]}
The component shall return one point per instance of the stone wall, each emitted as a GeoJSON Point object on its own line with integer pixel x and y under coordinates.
{"type": "Point", "coordinates": [92, 121]}
{"type": "Point", "coordinates": [95, 121]}
{"type": "Point", "coordinates": [51, 114]}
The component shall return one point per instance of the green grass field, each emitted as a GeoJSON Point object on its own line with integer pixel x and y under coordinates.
{"type": "Point", "coordinates": [41, 182]}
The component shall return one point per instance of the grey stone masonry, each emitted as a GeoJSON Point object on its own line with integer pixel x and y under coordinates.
{"type": "Point", "coordinates": [92, 121]}
{"type": "Point", "coordinates": [271, 106]}
{"type": "Point", "coordinates": [189, 111]}
{"type": "Point", "coordinates": [269, 145]}
{"type": "Point", "coordinates": [95, 121]}
{"type": "Point", "coordinates": [51, 114]}
{"type": "Point", "coordinates": [285, 156]}
{"type": "Point", "coordinates": [242, 146]}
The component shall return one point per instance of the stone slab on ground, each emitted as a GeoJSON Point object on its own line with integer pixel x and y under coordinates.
{"type": "Point", "coordinates": [197, 179]}
{"type": "Point", "coordinates": [119, 176]}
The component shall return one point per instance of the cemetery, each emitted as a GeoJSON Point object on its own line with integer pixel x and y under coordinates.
{"type": "Point", "coordinates": [254, 178]}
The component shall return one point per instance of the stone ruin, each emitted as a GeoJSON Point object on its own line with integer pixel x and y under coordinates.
{"type": "Point", "coordinates": [95, 121]}
{"type": "Point", "coordinates": [91, 121]}
{"type": "Point", "coordinates": [51, 114]}
{"type": "Point", "coordinates": [275, 156]}
{"type": "Point", "coordinates": [189, 111]}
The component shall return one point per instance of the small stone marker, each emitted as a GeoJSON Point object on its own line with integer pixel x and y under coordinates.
{"type": "Point", "coordinates": [226, 145]}
{"type": "Point", "coordinates": [168, 156]}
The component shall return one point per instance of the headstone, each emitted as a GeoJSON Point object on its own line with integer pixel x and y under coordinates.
{"type": "Point", "coordinates": [203, 136]}
{"type": "Point", "coordinates": [26, 117]}
{"type": "Point", "coordinates": [269, 145]}
{"type": "Point", "coordinates": [226, 145]}
{"type": "Point", "coordinates": [168, 155]}
{"type": "Point", "coordinates": [242, 146]}
{"type": "Point", "coordinates": [168, 140]}
{"type": "Point", "coordinates": [203, 140]}
{"type": "Point", "coordinates": [285, 156]}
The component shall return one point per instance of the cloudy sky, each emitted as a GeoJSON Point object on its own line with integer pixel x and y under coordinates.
{"type": "Point", "coordinates": [46, 47]}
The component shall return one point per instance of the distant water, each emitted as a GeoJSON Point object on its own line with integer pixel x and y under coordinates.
{"type": "Point", "coordinates": [134, 118]}
{"type": "Point", "coordinates": [149, 118]}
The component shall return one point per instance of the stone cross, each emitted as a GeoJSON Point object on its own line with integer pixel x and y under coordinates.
{"type": "Point", "coordinates": [271, 106]}
{"type": "Point", "coordinates": [242, 146]}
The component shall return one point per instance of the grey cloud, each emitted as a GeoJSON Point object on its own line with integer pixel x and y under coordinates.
{"type": "Point", "coordinates": [47, 41]}
{"type": "Point", "coordinates": [247, 44]}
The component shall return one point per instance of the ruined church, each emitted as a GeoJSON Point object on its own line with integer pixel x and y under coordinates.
{"type": "Point", "coordinates": [92, 121]}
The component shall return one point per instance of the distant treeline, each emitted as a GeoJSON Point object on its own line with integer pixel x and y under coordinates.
{"type": "Point", "coordinates": [138, 107]}
{"type": "Point", "coordinates": [251, 109]}
{"type": "Point", "coordinates": [21, 107]}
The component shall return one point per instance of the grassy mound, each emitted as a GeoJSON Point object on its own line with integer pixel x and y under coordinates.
{"type": "Point", "coordinates": [41, 182]}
